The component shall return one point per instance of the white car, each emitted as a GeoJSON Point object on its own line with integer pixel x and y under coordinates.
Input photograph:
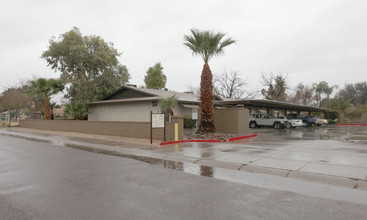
{"type": "Point", "coordinates": [321, 121]}
{"type": "Point", "coordinates": [266, 120]}
{"type": "Point", "coordinates": [293, 122]}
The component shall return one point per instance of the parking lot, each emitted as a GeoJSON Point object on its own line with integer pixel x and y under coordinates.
{"type": "Point", "coordinates": [349, 134]}
{"type": "Point", "coordinates": [329, 153]}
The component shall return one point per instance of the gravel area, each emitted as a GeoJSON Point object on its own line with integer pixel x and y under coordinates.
{"type": "Point", "coordinates": [190, 134]}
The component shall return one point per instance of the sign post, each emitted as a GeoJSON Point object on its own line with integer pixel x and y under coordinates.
{"type": "Point", "coordinates": [157, 121]}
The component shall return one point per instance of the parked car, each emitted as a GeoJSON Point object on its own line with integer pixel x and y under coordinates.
{"type": "Point", "coordinates": [294, 116]}
{"type": "Point", "coordinates": [251, 115]}
{"type": "Point", "coordinates": [260, 120]}
{"type": "Point", "coordinates": [310, 120]}
{"type": "Point", "coordinates": [293, 122]}
{"type": "Point", "coordinates": [321, 121]}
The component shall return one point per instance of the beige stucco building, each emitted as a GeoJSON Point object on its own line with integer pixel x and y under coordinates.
{"type": "Point", "coordinates": [130, 103]}
{"type": "Point", "coordinates": [135, 104]}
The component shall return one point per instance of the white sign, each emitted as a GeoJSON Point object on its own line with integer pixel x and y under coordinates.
{"type": "Point", "coordinates": [194, 116]}
{"type": "Point", "coordinates": [157, 120]}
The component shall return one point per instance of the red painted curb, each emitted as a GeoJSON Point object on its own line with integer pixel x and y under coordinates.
{"type": "Point", "coordinates": [241, 137]}
{"type": "Point", "coordinates": [186, 141]}
{"type": "Point", "coordinates": [352, 124]}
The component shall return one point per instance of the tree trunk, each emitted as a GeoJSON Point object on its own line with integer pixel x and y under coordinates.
{"type": "Point", "coordinates": [206, 98]}
{"type": "Point", "coordinates": [328, 107]}
{"type": "Point", "coordinates": [47, 109]}
{"type": "Point", "coordinates": [171, 112]}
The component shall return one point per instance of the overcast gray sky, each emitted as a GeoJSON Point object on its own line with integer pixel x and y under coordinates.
{"type": "Point", "coordinates": [310, 40]}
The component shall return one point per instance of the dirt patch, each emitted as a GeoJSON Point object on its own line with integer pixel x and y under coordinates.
{"type": "Point", "coordinates": [193, 135]}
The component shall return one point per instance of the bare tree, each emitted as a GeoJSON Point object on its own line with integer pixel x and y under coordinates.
{"type": "Point", "coordinates": [276, 87]}
{"type": "Point", "coordinates": [193, 89]}
{"type": "Point", "coordinates": [304, 95]}
{"type": "Point", "coordinates": [230, 85]}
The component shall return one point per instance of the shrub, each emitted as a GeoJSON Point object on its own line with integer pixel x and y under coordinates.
{"type": "Point", "coordinates": [188, 122]}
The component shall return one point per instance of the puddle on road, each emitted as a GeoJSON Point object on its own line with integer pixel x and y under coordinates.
{"type": "Point", "coordinates": [175, 165]}
{"type": "Point", "coordinates": [169, 164]}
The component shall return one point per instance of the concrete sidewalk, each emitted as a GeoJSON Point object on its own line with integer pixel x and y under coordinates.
{"type": "Point", "coordinates": [309, 160]}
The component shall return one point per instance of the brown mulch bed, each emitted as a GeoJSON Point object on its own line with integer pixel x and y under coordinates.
{"type": "Point", "coordinates": [190, 134]}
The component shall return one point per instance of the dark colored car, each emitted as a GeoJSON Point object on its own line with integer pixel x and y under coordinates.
{"type": "Point", "coordinates": [310, 120]}
{"type": "Point", "coordinates": [294, 116]}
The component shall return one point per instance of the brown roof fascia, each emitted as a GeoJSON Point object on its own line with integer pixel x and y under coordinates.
{"type": "Point", "coordinates": [127, 88]}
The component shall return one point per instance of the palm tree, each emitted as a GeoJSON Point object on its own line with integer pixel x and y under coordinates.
{"type": "Point", "coordinates": [168, 104]}
{"type": "Point", "coordinates": [43, 89]}
{"type": "Point", "coordinates": [324, 88]}
{"type": "Point", "coordinates": [319, 89]}
{"type": "Point", "coordinates": [328, 92]}
{"type": "Point", "coordinates": [206, 44]}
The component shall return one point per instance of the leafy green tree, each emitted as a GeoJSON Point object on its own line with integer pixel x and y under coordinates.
{"type": "Point", "coordinates": [276, 87]}
{"type": "Point", "coordinates": [355, 93]}
{"type": "Point", "coordinates": [206, 44]}
{"type": "Point", "coordinates": [168, 104]}
{"type": "Point", "coordinates": [43, 89]}
{"type": "Point", "coordinates": [87, 63]}
{"type": "Point", "coordinates": [155, 77]}
{"type": "Point", "coordinates": [97, 89]}
{"type": "Point", "coordinates": [2, 108]}
{"type": "Point", "coordinates": [14, 100]}
{"type": "Point", "coordinates": [76, 110]}
{"type": "Point", "coordinates": [339, 104]}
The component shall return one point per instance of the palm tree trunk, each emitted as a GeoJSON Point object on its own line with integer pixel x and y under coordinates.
{"type": "Point", "coordinates": [206, 98]}
{"type": "Point", "coordinates": [47, 109]}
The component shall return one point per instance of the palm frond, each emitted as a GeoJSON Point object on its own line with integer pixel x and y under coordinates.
{"type": "Point", "coordinates": [206, 43]}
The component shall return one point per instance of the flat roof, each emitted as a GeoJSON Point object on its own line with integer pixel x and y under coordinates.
{"type": "Point", "coordinates": [189, 98]}
{"type": "Point", "coordinates": [272, 104]}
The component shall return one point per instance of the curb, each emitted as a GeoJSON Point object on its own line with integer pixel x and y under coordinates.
{"type": "Point", "coordinates": [241, 137]}
{"type": "Point", "coordinates": [351, 124]}
{"type": "Point", "coordinates": [186, 141]}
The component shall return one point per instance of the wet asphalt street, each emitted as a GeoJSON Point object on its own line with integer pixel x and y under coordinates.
{"type": "Point", "coordinates": [44, 181]}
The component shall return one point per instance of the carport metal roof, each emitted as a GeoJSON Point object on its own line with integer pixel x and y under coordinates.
{"type": "Point", "coordinates": [272, 104]}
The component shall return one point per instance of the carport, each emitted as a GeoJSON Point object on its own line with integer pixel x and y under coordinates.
{"type": "Point", "coordinates": [271, 106]}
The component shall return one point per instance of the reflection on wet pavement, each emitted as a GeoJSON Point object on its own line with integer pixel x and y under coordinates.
{"type": "Point", "coordinates": [331, 132]}
{"type": "Point", "coordinates": [322, 146]}
{"type": "Point", "coordinates": [175, 165]}
{"type": "Point", "coordinates": [288, 149]}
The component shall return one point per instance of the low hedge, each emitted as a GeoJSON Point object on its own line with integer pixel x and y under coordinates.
{"type": "Point", "coordinates": [189, 123]}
